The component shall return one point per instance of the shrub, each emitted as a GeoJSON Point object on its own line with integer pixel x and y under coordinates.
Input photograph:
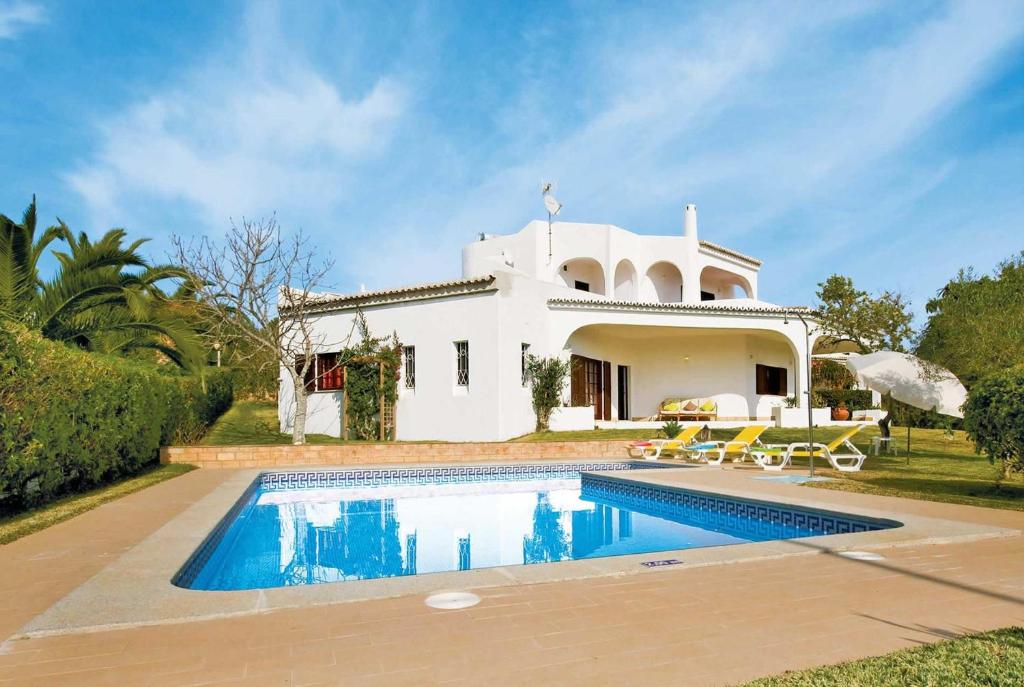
{"type": "Point", "coordinates": [547, 377]}
{"type": "Point", "coordinates": [994, 419]}
{"type": "Point", "coordinates": [855, 399]}
{"type": "Point", "coordinates": [671, 429]}
{"type": "Point", "coordinates": [71, 420]}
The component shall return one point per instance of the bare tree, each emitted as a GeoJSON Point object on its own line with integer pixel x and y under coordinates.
{"type": "Point", "coordinates": [259, 289]}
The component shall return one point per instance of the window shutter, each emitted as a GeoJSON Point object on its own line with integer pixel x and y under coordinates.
{"type": "Point", "coordinates": [783, 382]}
{"type": "Point", "coordinates": [606, 389]}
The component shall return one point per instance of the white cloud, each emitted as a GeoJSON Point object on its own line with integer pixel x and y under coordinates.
{"type": "Point", "coordinates": [241, 138]}
{"type": "Point", "coordinates": [783, 122]}
{"type": "Point", "coordinates": [18, 16]}
{"type": "Point", "coordinates": [753, 112]}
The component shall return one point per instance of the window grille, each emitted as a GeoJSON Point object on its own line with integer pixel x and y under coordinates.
{"type": "Point", "coordinates": [524, 360]}
{"type": "Point", "coordinates": [409, 354]}
{"type": "Point", "coordinates": [462, 363]}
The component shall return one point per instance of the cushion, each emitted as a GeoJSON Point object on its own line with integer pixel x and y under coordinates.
{"type": "Point", "coordinates": [708, 406]}
{"type": "Point", "coordinates": [690, 406]}
{"type": "Point", "coordinates": [671, 405]}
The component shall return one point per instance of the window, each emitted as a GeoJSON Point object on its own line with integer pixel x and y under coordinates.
{"type": "Point", "coordinates": [409, 354]}
{"type": "Point", "coordinates": [523, 363]}
{"type": "Point", "coordinates": [581, 285]}
{"type": "Point", "coordinates": [323, 374]}
{"type": "Point", "coordinates": [328, 373]}
{"type": "Point", "coordinates": [771, 380]}
{"type": "Point", "coordinates": [707, 296]}
{"type": "Point", "coordinates": [462, 363]}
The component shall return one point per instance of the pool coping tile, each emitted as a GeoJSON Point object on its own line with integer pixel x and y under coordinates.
{"type": "Point", "coordinates": [136, 589]}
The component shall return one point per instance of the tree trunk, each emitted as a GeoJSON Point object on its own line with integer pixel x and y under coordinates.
{"type": "Point", "coordinates": [299, 424]}
{"type": "Point", "coordinates": [883, 424]}
{"type": "Point", "coordinates": [543, 419]}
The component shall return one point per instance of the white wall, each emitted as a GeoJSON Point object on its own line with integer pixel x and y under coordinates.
{"type": "Point", "coordinates": [608, 245]}
{"type": "Point", "coordinates": [437, 408]}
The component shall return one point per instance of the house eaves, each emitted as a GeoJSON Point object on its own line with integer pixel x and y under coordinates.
{"type": "Point", "coordinates": [329, 302]}
{"type": "Point", "coordinates": [722, 250]}
{"type": "Point", "coordinates": [687, 308]}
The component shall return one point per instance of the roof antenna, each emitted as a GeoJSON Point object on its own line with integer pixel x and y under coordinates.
{"type": "Point", "coordinates": [553, 207]}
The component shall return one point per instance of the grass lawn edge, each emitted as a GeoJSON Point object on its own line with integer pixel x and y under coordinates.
{"type": "Point", "coordinates": [991, 659]}
{"type": "Point", "coordinates": [20, 525]}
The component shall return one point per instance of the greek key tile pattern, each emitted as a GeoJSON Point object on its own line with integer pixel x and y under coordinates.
{"type": "Point", "coordinates": [758, 520]}
{"type": "Point", "coordinates": [456, 474]}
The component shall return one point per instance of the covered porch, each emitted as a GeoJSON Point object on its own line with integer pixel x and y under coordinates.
{"type": "Point", "coordinates": [724, 377]}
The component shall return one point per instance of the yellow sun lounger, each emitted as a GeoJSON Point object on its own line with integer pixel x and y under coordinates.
{"type": "Point", "coordinates": [714, 452]}
{"type": "Point", "coordinates": [849, 460]}
{"type": "Point", "coordinates": [652, 449]}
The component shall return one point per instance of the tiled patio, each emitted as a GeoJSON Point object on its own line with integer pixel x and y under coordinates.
{"type": "Point", "coordinates": [720, 624]}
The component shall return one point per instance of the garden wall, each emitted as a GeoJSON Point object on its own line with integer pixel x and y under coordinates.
{"type": "Point", "coordinates": [387, 453]}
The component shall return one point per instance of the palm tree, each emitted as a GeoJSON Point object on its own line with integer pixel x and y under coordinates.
{"type": "Point", "coordinates": [93, 301]}
{"type": "Point", "coordinates": [19, 262]}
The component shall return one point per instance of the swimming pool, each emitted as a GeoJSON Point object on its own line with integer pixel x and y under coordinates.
{"type": "Point", "coordinates": [310, 527]}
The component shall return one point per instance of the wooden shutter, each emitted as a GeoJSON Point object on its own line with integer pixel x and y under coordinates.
{"type": "Point", "coordinates": [761, 379]}
{"type": "Point", "coordinates": [783, 382]}
{"type": "Point", "coordinates": [606, 389]}
{"type": "Point", "coordinates": [577, 382]}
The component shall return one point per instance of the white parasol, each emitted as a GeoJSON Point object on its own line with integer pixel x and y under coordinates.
{"type": "Point", "coordinates": [910, 380]}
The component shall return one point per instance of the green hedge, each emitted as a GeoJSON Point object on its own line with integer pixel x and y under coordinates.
{"type": "Point", "coordinates": [855, 399]}
{"type": "Point", "coordinates": [71, 420]}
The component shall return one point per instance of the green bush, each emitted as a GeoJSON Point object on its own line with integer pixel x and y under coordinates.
{"type": "Point", "coordinates": [994, 418]}
{"type": "Point", "coordinates": [855, 399]}
{"type": "Point", "coordinates": [71, 420]}
{"type": "Point", "coordinates": [546, 377]}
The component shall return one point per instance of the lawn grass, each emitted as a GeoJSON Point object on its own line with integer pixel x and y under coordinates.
{"type": "Point", "coordinates": [992, 659]}
{"type": "Point", "coordinates": [22, 524]}
{"type": "Point", "coordinates": [942, 467]}
{"type": "Point", "coordinates": [254, 423]}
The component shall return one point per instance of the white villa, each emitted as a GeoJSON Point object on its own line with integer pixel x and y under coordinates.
{"type": "Point", "coordinates": [644, 319]}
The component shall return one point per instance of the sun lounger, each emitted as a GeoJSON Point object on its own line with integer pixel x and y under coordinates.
{"type": "Point", "coordinates": [714, 452]}
{"type": "Point", "coordinates": [654, 448]}
{"type": "Point", "coordinates": [840, 453]}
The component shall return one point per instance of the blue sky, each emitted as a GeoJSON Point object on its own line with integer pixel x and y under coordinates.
{"type": "Point", "coordinates": [880, 140]}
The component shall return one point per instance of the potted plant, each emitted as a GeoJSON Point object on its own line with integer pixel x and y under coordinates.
{"type": "Point", "coordinates": [841, 413]}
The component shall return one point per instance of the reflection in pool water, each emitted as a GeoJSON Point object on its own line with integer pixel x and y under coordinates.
{"type": "Point", "coordinates": [308, 536]}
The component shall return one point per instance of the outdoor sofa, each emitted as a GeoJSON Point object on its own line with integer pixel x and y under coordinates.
{"type": "Point", "coordinates": [688, 409]}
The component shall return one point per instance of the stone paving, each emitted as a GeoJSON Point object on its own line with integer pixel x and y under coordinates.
{"type": "Point", "coordinates": [721, 624]}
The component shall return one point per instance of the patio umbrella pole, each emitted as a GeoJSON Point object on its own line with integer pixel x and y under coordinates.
{"type": "Point", "coordinates": [810, 410]}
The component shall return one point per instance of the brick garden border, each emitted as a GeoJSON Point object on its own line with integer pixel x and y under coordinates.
{"type": "Point", "coordinates": [389, 453]}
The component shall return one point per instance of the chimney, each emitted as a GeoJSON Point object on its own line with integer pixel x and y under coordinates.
{"type": "Point", "coordinates": [690, 221]}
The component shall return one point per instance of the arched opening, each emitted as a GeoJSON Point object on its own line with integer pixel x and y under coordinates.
{"type": "Point", "coordinates": [630, 371]}
{"type": "Point", "coordinates": [582, 274]}
{"type": "Point", "coordinates": [663, 283]}
{"type": "Point", "coordinates": [717, 284]}
{"type": "Point", "coordinates": [625, 281]}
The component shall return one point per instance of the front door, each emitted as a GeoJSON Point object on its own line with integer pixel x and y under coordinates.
{"type": "Point", "coordinates": [591, 385]}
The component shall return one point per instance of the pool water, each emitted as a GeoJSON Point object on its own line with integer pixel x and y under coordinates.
{"type": "Point", "coordinates": [350, 529]}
